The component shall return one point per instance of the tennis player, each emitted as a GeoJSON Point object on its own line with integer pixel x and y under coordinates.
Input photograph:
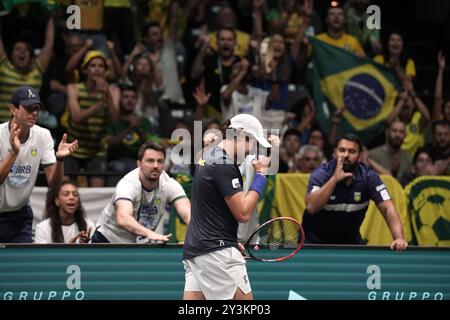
{"type": "Point", "coordinates": [215, 269]}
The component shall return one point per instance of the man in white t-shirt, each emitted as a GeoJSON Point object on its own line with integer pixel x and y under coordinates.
{"type": "Point", "coordinates": [23, 147]}
{"type": "Point", "coordinates": [238, 97]}
{"type": "Point", "coordinates": [137, 209]}
{"type": "Point", "coordinates": [245, 230]}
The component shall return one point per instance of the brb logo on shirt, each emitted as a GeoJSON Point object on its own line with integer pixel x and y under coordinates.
{"type": "Point", "coordinates": [19, 175]}
{"type": "Point", "coordinates": [235, 183]}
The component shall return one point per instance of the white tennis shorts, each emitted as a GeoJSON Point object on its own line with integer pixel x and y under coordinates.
{"type": "Point", "coordinates": [217, 274]}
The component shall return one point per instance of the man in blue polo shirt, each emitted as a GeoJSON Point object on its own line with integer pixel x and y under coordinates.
{"type": "Point", "coordinates": [338, 197]}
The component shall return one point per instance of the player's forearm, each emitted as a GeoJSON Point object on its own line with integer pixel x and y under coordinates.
{"type": "Point", "coordinates": [79, 115]}
{"type": "Point", "coordinates": [249, 203]}
{"type": "Point", "coordinates": [130, 224]}
{"type": "Point", "coordinates": [55, 173]}
{"type": "Point", "coordinates": [423, 109]}
{"type": "Point", "coordinates": [394, 222]}
{"type": "Point", "coordinates": [112, 105]}
{"type": "Point", "coordinates": [316, 200]}
{"type": "Point", "coordinates": [394, 114]}
{"type": "Point", "coordinates": [437, 112]}
{"type": "Point", "coordinates": [183, 207]}
{"type": "Point", "coordinates": [198, 68]}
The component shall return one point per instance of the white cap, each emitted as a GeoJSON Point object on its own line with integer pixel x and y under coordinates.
{"type": "Point", "coordinates": [250, 125]}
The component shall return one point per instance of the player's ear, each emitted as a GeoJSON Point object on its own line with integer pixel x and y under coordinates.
{"type": "Point", "coordinates": [12, 108]}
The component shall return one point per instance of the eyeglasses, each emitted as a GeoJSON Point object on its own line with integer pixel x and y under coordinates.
{"type": "Point", "coordinates": [32, 108]}
{"type": "Point", "coordinates": [311, 159]}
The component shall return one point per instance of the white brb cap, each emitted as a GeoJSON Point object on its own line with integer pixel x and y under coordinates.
{"type": "Point", "coordinates": [250, 125]}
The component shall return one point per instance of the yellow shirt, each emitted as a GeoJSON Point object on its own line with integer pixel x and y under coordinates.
{"type": "Point", "coordinates": [294, 22]}
{"type": "Point", "coordinates": [118, 3]}
{"type": "Point", "coordinates": [414, 135]}
{"type": "Point", "coordinates": [242, 43]}
{"type": "Point", "coordinates": [91, 14]}
{"type": "Point", "coordinates": [410, 65]}
{"type": "Point", "coordinates": [90, 132]}
{"type": "Point", "coordinates": [346, 41]}
{"type": "Point", "coordinates": [10, 79]}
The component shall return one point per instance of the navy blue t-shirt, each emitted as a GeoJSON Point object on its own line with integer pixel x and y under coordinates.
{"type": "Point", "coordinates": [212, 226]}
{"type": "Point", "coordinates": [339, 221]}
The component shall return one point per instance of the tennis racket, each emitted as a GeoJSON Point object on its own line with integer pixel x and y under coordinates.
{"type": "Point", "coordinates": [275, 240]}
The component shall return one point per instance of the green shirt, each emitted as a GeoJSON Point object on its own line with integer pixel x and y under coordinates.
{"type": "Point", "coordinates": [130, 144]}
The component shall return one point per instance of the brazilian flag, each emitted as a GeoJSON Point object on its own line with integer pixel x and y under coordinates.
{"type": "Point", "coordinates": [365, 88]}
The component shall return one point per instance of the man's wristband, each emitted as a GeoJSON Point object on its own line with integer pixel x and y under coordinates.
{"type": "Point", "coordinates": [59, 159]}
{"type": "Point", "coordinates": [259, 182]}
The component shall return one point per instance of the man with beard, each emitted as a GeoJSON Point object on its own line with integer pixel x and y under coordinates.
{"type": "Point", "coordinates": [390, 155]}
{"type": "Point", "coordinates": [137, 209]}
{"type": "Point", "coordinates": [338, 196]}
{"type": "Point", "coordinates": [439, 149]}
{"type": "Point", "coordinates": [216, 68]}
{"type": "Point", "coordinates": [126, 136]}
{"type": "Point", "coordinates": [215, 269]}
{"type": "Point", "coordinates": [226, 17]}
{"type": "Point", "coordinates": [336, 34]}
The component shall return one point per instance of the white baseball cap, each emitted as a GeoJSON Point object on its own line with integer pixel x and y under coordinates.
{"type": "Point", "coordinates": [251, 125]}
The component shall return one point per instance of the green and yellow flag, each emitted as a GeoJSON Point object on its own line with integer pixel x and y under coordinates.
{"type": "Point", "coordinates": [365, 88]}
{"type": "Point", "coordinates": [429, 208]}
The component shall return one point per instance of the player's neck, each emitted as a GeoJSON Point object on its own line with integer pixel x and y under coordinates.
{"type": "Point", "coordinates": [390, 149]}
{"type": "Point", "coordinates": [66, 218]}
{"type": "Point", "coordinates": [335, 33]}
{"type": "Point", "coordinates": [149, 185]}
{"type": "Point", "coordinates": [228, 147]}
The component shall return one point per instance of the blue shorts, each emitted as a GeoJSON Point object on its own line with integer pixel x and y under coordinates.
{"type": "Point", "coordinates": [15, 226]}
{"type": "Point", "coordinates": [98, 237]}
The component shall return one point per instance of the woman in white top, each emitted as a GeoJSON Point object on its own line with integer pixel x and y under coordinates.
{"type": "Point", "coordinates": [64, 217]}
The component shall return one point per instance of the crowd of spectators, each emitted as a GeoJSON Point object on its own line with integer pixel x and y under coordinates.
{"type": "Point", "coordinates": [137, 70]}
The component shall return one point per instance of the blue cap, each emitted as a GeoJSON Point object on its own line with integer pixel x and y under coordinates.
{"type": "Point", "coordinates": [25, 96]}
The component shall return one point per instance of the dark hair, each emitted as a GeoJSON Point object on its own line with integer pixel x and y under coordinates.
{"type": "Point", "coordinates": [127, 87]}
{"type": "Point", "coordinates": [225, 126]}
{"type": "Point", "coordinates": [210, 122]}
{"type": "Point", "coordinates": [137, 81]}
{"type": "Point", "coordinates": [389, 125]}
{"type": "Point", "coordinates": [291, 132]}
{"type": "Point", "coordinates": [227, 29]}
{"type": "Point", "coordinates": [418, 152]}
{"type": "Point", "coordinates": [330, 7]}
{"type": "Point", "coordinates": [27, 43]}
{"type": "Point", "coordinates": [353, 138]}
{"type": "Point", "coordinates": [147, 26]}
{"type": "Point", "coordinates": [441, 122]}
{"type": "Point", "coordinates": [151, 146]}
{"type": "Point", "coordinates": [404, 56]}
{"type": "Point", "coordinates": [337, 6]}
{"type": "Point", "coordinates": [52, 212]}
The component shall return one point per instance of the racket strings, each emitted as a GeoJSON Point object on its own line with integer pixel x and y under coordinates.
{"type": "Point", "coordinates": [276, 240]}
